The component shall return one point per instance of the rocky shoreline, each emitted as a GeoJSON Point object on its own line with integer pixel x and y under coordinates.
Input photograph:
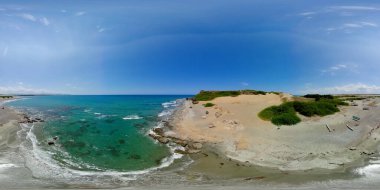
{"type": "Point", "coordinates": [164, 135]}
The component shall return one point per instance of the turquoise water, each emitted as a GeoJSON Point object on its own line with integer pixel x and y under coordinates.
{"type": "Point", "coordinates": [100, 133]}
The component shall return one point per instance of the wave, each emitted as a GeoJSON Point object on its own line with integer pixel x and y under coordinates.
{"type": "Point", "coordinates": [169, 104]}
{"type": "Point", "coordinates": [12, 100]}
{"type": "Point", "coordinates": [132, 117]}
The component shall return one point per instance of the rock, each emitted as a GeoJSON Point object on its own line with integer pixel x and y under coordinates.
{"type": "Point", "coordinates": [195, 102]}
{"type": "Point", "coordinates": [55, 138]}
{"type": "Point", "coordinates": [154, 136]}
{"type": "Point", "coordinates": [204, 117]}
{"type": "Point", "coordinates": [218, 114]}
{"type": "Point", "coordinates": [180, 142]}
{"type": "Point", "coordinates": [163, 140]}
{"type": "Point", "coordinates": [192, 151]}
{"type": "Point", "coordinates": [51, 143]}
{"type": "Point", "coordinates": [196, 146]}
{"type": "Point", "coordinates": [211, 125]}
{"type": "Point", "coordinates": [206, 112]}
{"type": "Point", "coordinates": [158, 131]}
{"type": "Point", "coordinates": [352, 148]}
{"type": "Point", "coordinates": [179, 151]}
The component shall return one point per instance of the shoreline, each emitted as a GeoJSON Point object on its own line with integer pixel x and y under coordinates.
{"type": "Point", "coordinates": [209, 163]}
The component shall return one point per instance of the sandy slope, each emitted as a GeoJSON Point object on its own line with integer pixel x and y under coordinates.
{"type": "Point", "coordinates": [233, 127]}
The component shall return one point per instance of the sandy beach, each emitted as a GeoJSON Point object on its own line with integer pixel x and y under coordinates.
{"type": "Point", "coordinates": [9, 119]}
{"type": "Point", "coordinates": [233, 129]}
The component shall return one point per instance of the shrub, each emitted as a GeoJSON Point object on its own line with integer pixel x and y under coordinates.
{"type": "Point", "coordinates": [286, 119]}
{"type": "Point", "coordinates": [269, 113]}
{"type": "Point", "coordinates": [209, 104]}
{"type": "Point", "coordinates": [317, 97]}
{"type": "Point", "coordinates": [285, 114]}
{"type": "Point", "coordinates": [210, 95]}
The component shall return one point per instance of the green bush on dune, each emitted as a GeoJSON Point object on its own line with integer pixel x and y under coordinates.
{"type": "Point", "coordinates": [286, 119]}
{"type": "Point", "coordinates": [209, 104]}
{"type": "Point", "coordinates": [285, 114]}
{"type": "Point", "coordinates": [210, 95]}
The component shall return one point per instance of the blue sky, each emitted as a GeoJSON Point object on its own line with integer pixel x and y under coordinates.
{"type": "Point", "coordinates": [181, 47]}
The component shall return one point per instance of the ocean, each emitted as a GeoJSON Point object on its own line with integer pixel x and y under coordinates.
{"type": "Point", "coordinates": [96, 136]}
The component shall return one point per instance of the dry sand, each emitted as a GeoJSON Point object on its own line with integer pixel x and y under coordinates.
{"type": "Point", "coordinates": [233, 128]}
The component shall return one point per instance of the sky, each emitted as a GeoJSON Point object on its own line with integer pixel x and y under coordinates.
{"type": "Point", "coordinates": [181, 47]}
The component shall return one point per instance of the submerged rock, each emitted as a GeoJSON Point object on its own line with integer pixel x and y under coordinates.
{"type": "Point", "coordinates": [134, 157]}
{"type": "Point", "coordinates": [158, 131]}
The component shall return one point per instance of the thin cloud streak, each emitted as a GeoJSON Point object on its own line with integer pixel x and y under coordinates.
{"type": "Point", "coordinates": [355, 88]}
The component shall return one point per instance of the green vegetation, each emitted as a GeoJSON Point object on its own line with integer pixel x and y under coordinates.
{"type": "Point", "coordinates": [353, 98]}
{"type": "Point", "coordinates": [209, 104]}
{"type": "Point", "coordinates": [318, 96]}
{"type": "Point", "coordinates": [286, 119]}
{"type": "Point", "coordinates": [4, 97]}
{"type": "Point", "coordinates": [210, 95]}
{"type": "Point", "coordinates": [286, 113]}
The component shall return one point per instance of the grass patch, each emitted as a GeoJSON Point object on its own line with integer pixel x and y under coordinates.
{"type": "Point", "coordinates": [317, 97]}
{"type": "Point", "coordinates": [209, 104]}
{"type": "Point", "coordinates": [4, 97]}
{"type": "Point", "coordinates": [286, 119]}
{"type": "Point", "coordinates": [210, 95]}
{"type": "Point", "coordinates": [286, 113]}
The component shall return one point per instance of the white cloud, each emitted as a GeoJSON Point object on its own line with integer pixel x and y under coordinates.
{"type": "Point", "coordinates": [5, 51]}
{"type": "Point", "coordinates": [80, 13]}
{"type": "Point", "coordinates": [22, 90]}
{"type": "Point", "coordinates": [336, 68]}
{"type": "Point", "coordinates": [359, 25]}
{"type": "Point", "coordinates": [29, 17]}
{"type": "Point", "coordinates": [353, 25]}
{"type": "Point", "coordinates": [369, 24]}
{"type": "Point", "coordinates": [100, 29]}
{"type": "Point", "coordinates": [307, 13]}
{"type": "Point", "coordinates": [244, 83]}
{"type": "Point", "coordinates": [356, 8]}
{"type": "Point", "coordinates": [44, 21]}
{"type": "Point", "coordinates": [356, 88]}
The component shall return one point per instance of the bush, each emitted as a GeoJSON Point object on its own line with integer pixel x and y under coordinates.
{"type": "Point", "coordinates": [210, 95]}
{"type": "Point", "coordinates": [285, 114]}
{"type": "Point", "coordinates": [317, 97]}
{"type": "Point", "coordinates": [209, 104]}
{"type": "Point", "coordinates": [286, 119]}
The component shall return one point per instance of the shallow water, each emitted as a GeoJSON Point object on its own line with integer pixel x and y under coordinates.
{"type": "Point", "coordinates": [103, 137]}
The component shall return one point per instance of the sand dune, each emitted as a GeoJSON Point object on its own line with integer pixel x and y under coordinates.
{"type": "Point", "coordinates": [234, 129]}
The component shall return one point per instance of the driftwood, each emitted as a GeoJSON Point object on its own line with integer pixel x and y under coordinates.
{"type": "Point", "coordinates": [328, 128]}
{"type": "Point", "coordinates": [349, 127]}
